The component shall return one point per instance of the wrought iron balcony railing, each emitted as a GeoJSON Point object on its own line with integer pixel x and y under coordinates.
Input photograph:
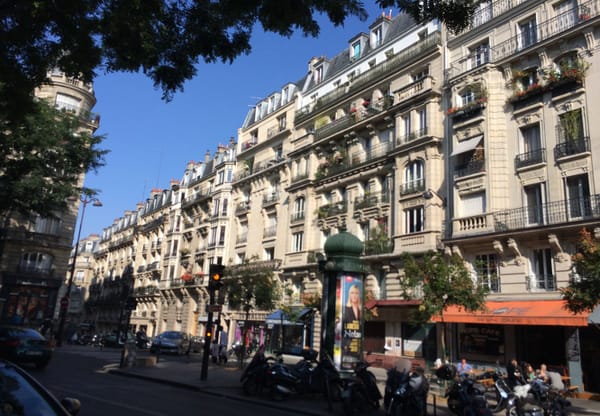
{"type": "Point", "coordinates": [530, 158]}
{"type": "Point", "coordinates": [371, 200]}
{"type": "Point", "coordinates": [572, 147]}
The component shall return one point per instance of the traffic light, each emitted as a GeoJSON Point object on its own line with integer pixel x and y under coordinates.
{"type": "Point", "coordinates": [215, 276]}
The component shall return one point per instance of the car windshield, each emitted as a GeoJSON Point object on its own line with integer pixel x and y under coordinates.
{"type": "Point", "coordinates": [19, 397]}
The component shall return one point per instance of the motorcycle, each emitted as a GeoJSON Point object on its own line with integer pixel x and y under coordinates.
{"type": "Point", "coordinates": [542, 398]}
{"type": "Point", "coordinates": [465, 396]}
{"type": "Point", "coordinates": [360, 392]}
{"type": "Point", "coordinates": [405, 393]}
{"type": "Point", "coordinates": [307, 376]}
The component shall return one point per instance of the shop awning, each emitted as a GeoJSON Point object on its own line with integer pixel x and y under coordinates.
{"type": "Point", "coordinates": [280, 317]}
{"type": "Point", "coordinates": [525, 312]}
{"type": "Point", "coordinates": [467, 145]}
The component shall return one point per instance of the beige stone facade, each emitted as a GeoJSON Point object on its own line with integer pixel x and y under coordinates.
{"type": "Point", "coordinates": [35, 251]}
{"type": "Point", "coordinates": [412, 139]}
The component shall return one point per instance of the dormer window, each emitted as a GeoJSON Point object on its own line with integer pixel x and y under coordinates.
{"type": "Point", "coordinates": [377, 37]}
{"type": "Point", "coordinates": [318, 74]}
{"type": "Point", "coordinates": [355, 50]}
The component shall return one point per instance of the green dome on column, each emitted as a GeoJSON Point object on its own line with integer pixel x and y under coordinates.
{"type": "Point", "coordinates": [345, 250]}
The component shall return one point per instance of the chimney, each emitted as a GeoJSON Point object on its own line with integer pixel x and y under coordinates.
{"type": "Point", "coordinates": [207, 156]}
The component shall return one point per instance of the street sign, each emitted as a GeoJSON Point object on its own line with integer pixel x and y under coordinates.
{"type": "Point", "coordinates": [214, 308]}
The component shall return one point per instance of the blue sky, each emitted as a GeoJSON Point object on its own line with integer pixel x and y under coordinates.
{"type": "Point", "coordinates": [151, 141]}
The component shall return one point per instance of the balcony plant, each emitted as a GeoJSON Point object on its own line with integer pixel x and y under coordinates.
{"type": "Point", "coordinates": [568, 71]}
{"type": "Point", "coordinates": [479, 94]}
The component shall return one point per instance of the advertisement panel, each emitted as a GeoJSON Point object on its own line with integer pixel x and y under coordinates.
{"type": "Point", "coordinates": [348, 321]}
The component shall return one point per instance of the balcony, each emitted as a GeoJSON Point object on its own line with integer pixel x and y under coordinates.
{"type": "Point", "coordinates": [242, 239]}
{"type": "Point", "coordinates": [371, 200]}
{"type": "Point", "coordinates": [572, 147]}
{"type": "Point", "coordinates": [329, 210]}
{"type": "Point", "coordinates": [347, 121]}
{"type": "Point", "coordinates": [544, 282]}
{"type": "Point", "coordinates": [412, 136]}
{"type": "Point", "coordinates": [270, 199]}
{"type": "Point", "coordinates": [375, 152]}
{"type": "Point", "coordinates": [381, 245]}
{"type": "Point", "coordinates": [242, 208]}
{"type": "Point", "coordinates": [412, 187]}
{"type": "Point", "coordinates": [543, 31]}
{"type": "Point", "coordinates": [195, 199]}
{"type": "Point", "coordinates": [471, 168]}
{"type": "Point", "coordinates": [532, 157]}
{"type": "Point", "coordinates": [297, 217]}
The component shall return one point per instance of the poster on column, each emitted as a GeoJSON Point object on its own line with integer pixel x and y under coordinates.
{"type": "Point", "coordinates": [351, 320]}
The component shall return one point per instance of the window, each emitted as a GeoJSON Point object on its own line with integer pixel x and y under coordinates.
{"type": "Point", "coordinates": [423, 73]}
{"type": "Point", "coordinates": [269, 253]}
{"type": "Point", "coordinates": [377, 36]}
{"type": "Point", "coordinates": [534, 199]}
{"type": "Point", "coordinates": [67, 102]}
{"type": "Point", "coordinates": [578, 194]}
{"type": "Point", "coordinates": [530, 146]}
{"type": "Point", "coordinates": [79, 276]}
{"type": "Point", "coordinates": [224, 210]}
{"type": "Point", "coordinates": [414, 220]}
{"type": "Point", "coordinates": [318, 77]}
{"type": "Point", "coordinates": [282, 122]}
{"type": "Point", "coordinates": [297, 241]}
{"type": "Point", "coordinates": [414, 177]}
{"type": "Point", "coordinates": [565, 13]}
{"type": "Point", "coordinates": [222, 235]}
{"type": "Point", "coordinates": [213, 236]}
{"type": "Point", "coordinates": [278, 153]}
{"type": "Point", "coordinates": [299, 208]}
{"type": "Point", "coordinates": [46, 225]}
{"type": "Point", "coordinates": [285, 95]}
{"type": "Point", "coordinates": [472, 204]}
{"type": "Point", "coordinates": [570, 126]}
{"type": "Point", "coordinates": [527, 35]}
{"type": "Point", "coordinates": [543, 269]}
{"type": "Point", "coordinates": [423, 121]}
{"type": "Point", "coordinates": [229, 175]}
{"type": "Point", "coordinates": [407, 127]}
{"type": "Point", "coordinates": [220, 177]}
{"type": "Point", "coordinates": [479, 55]}
{"type": "Point", "coordinates": [36, 262]}
{"type": "Point", "coordinates": [355, 50]}
{"type": "Point", "coordinates": [175, 245]}
{"type": "Point", "coordinates": [486, 266]}
{"type": "Point", "coordinates": [216, 207]}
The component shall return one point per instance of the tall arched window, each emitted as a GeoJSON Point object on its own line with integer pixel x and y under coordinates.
{"type": "Point", "coordinates": [414, 177]}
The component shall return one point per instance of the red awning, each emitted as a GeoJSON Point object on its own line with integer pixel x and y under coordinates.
{"type": "Point", "coordinates": [531, 312]}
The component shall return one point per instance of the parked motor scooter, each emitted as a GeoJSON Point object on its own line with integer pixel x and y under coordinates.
{"type": "Point", "coordinates": [307, 376]}
{"type": "Point", "coordinates": [405, 392]}
{"type": "Point", "coordinates": [465, 396]}
{"type": "Point", "coordinates": [360, 392]}
{"type": "Point", "coordinates": [256, 374]}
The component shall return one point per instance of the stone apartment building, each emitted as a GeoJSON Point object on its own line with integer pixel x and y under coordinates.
{"type": "Point", "coordinates": [36, 251]}
{"type": "Point", "coordinates": [413, 139]}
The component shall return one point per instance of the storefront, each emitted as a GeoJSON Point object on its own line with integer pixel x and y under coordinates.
{"type": "Point", "coordinates": [535, 331]}
{"type": "Point", "coordinates": [290, 333]}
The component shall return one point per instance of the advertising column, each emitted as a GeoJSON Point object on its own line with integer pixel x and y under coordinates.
{"type": "Point", "coordinates": [349, 321]}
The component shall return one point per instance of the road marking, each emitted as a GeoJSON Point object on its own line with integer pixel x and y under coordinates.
{"type": "Point", "coordinates": [111, 402]}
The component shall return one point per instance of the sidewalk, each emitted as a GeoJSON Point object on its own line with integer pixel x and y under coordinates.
{"type": "Point", "coordinates": [224, 381]}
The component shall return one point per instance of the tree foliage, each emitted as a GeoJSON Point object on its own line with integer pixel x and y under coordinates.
{"type": "Point", "coordinates": [455, 14]}
{"type": "Point", "coordinates": [42, 159]}
{"type": "Point", "coordinates": [165, 40]}
{"type": "Point", "coordinates": [250, 285]}
{"type": "Point", "coordinates": [583, 292]}
{"type": "Point", "coordinates": [444, 282]}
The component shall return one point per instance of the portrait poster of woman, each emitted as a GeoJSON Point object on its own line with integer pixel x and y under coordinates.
{"type": "Point", "coordinates": [352, 320]}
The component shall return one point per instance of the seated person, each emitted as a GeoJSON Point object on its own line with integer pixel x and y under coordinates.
{"type": "Point", "coordinates": [464, 368]}
{"type": "Point", "coordinates": [542, 374]}
{"type": "Point", "coordinates": [530, 373]}
{"type": "Point", "coordinates": [555, 380]}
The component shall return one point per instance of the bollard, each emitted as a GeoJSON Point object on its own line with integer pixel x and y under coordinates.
{"type": "Point", "coordinates": [434, 405]}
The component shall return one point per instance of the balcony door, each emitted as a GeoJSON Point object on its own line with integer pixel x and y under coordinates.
{"type": "Point", "coordinates": [578, 197]}
{"type": "Point", "coordinates": [534, 200]}
{"type": "Point", "coordinates": [527, 35]}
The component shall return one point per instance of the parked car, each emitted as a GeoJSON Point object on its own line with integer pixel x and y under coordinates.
{"type": "Point", "coordinates": [197, 344]}
{"type": "Point", "coordinates": [24, 346]}
{"type": "Point", "coordinates": [171, 341]}
{"type": "Point", "coordinates": [110, 340]}
{"type": "Point", "coordinates": [22, 394]}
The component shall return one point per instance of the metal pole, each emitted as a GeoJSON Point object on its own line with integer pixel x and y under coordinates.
{"type": "Point", "coordinates": [64, 306]}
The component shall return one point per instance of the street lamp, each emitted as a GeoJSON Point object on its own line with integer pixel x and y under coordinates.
{"type": "Point", "coordinates": [64, 302]}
